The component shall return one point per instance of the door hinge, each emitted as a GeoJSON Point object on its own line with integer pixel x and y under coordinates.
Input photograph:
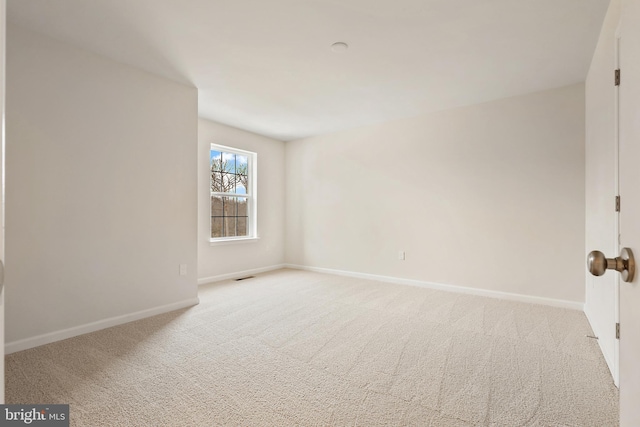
{"type": "Point", "coordinates": [617, 331]}
{"type": "Point", "coordinates": [617, 203]}
{"type": "Point", "coordinates": [617, 77]}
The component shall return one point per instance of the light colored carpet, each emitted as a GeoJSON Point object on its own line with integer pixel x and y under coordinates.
{"type": "Point", "coordinates": [298, 348]}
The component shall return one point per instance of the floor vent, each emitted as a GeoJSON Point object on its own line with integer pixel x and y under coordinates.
{"type": "Point", "coordinates": [245, 278]}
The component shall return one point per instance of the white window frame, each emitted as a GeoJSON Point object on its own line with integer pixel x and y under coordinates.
{"type": "Point", "coordinates": [252, 196]}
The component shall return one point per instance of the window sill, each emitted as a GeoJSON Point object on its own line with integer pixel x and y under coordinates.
{"type": "Point", "coordinates": [233, 240]}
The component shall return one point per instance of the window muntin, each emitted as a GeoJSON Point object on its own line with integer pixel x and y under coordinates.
{"type": "Point", "coordinates": [233, 198]}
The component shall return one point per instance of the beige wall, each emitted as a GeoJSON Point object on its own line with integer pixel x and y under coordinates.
{"type": "Point", "coordinates": [101, 191]}
{"type": "Point", "coordinates": [600, 157]}
{"type": "Point", "coordinates": [232, 259]}
{"type": "Point", "coordinates": [488, 197]}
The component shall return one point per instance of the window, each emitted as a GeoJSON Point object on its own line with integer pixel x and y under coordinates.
{"type": "Point", "coordinates": [233, 195]}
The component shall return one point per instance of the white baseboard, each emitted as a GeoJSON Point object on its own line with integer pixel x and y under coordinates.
{"type": "Point", "coordinates": [26, 343]}
{"type": "Point", "coordinates": [237, 274]}
{"type": "Point", "coordinates": [450, 288]}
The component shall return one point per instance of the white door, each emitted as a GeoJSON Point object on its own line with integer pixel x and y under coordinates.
{"type": "Point", "coordinates": [602, 220]}
{"type": "Point", "coordinates": [630, 210]}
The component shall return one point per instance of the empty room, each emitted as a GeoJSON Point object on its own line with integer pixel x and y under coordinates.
{"type": "Point", "coordinates": [320, 213]}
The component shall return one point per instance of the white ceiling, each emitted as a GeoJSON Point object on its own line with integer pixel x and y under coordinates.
{"type": "Point", "coordinates": [266, 65]}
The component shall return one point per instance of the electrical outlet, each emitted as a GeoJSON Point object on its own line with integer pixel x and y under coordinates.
{"type": "Point", "coordinates": [183, 269]}
{"type": "Point", "coordinates": [401, 256]}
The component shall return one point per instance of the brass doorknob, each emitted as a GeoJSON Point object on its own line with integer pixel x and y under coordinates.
{"type": "Point", "coordinates": [597, 264]}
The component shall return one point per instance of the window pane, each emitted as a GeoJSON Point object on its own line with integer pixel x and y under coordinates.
{"type": "Point", "coordinates": [229, 173]}
{"type": "Point", "coordinates": [216, 206]}
{"type": "Point", "coordinates": [242, 226]}
{"type": "Point", "coordinates": [228, 183]}
{"type": "Point", "coordinates": [230, 206]}
{"type": "Point", "coordinates": [243, 207]}
{"type": "Point", "coordinates": [242, 183]}
{"type": "Point", "coordinates": [225, 212]}
{"type": "Point", "coordinates": [223, 182]}
{"type": "Point", "coordinates": [242, 163]}
{"type": "Point", "coordinates": [229, 162]}
{"type": "Point", "coordinates": [216, 227]}
{"type": "Point", "coordinates": [215, 158]}
{"type": "Point", "coordinates": [230, 227]}
{"type": "Point", "coordinates": [216, 181]}
{"type": "Point", "coordinates": [242, 172]}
